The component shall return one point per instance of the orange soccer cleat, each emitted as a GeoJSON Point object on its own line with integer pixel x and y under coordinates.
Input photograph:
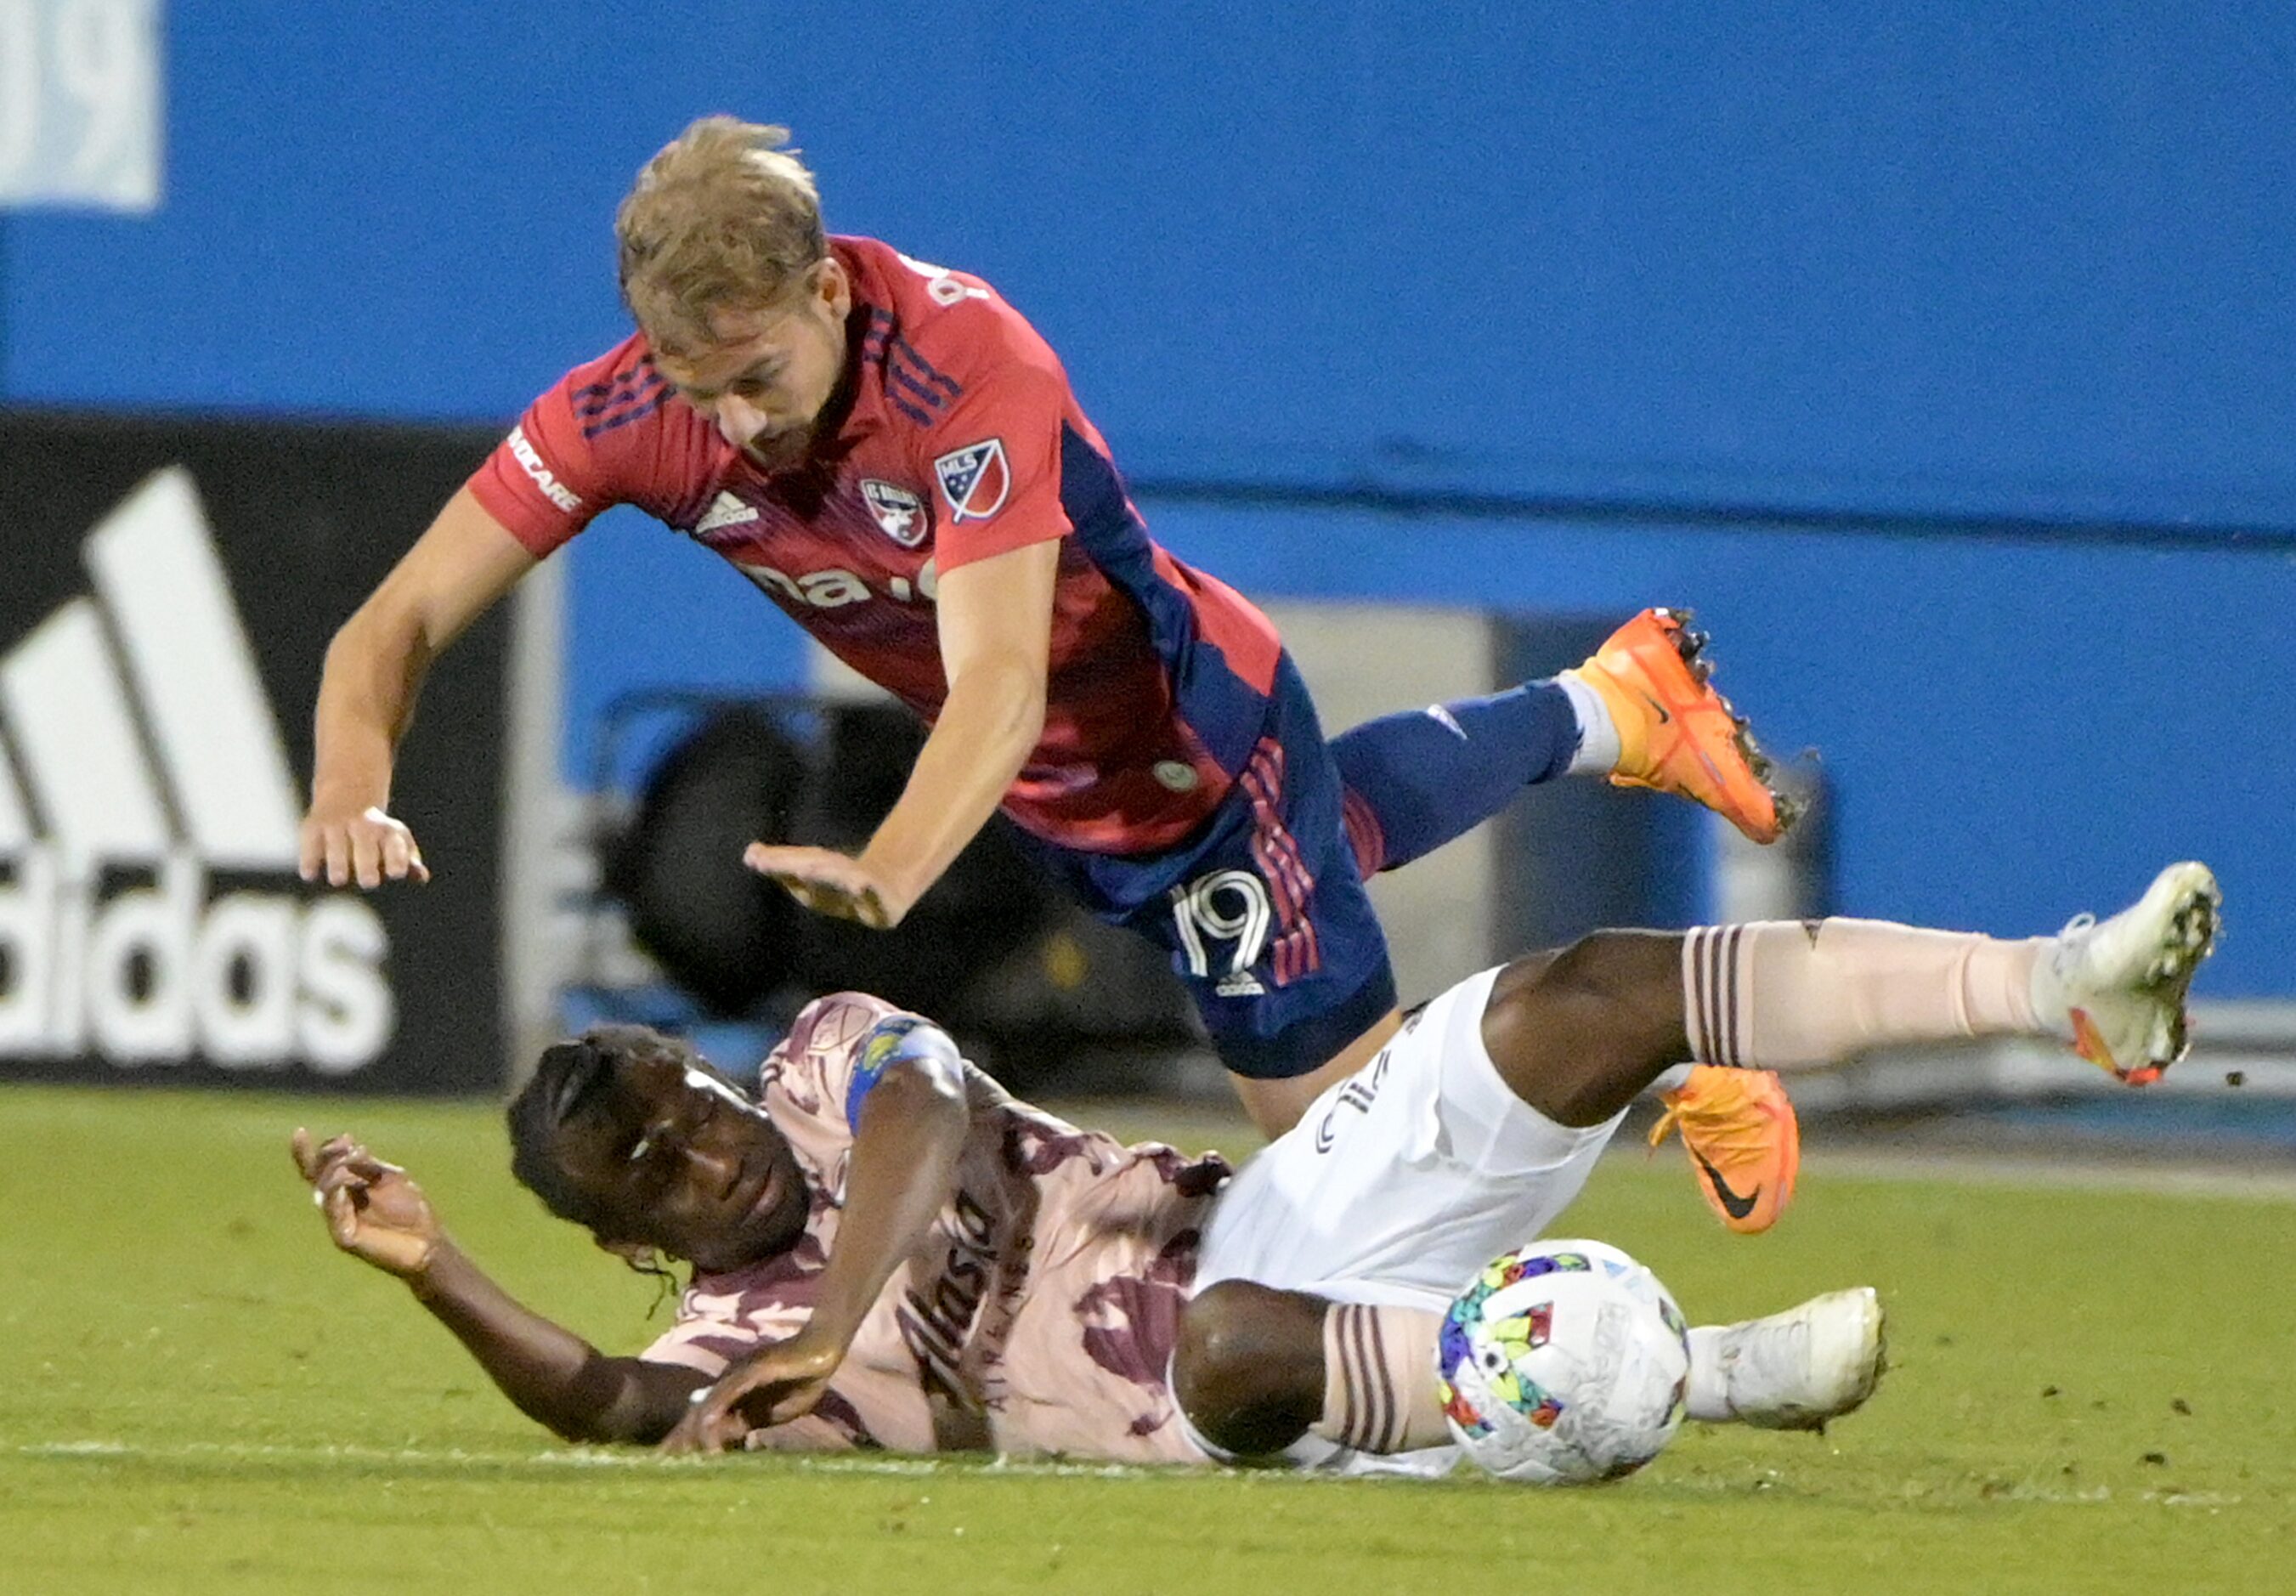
{"type": "Point", "coordinates": [1744, 1143]}
{"type": "Point", "coordinates": [1676, 733]}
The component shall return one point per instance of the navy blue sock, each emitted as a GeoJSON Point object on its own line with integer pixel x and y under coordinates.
{"type": "Point", "coordinates": [1418, 779]}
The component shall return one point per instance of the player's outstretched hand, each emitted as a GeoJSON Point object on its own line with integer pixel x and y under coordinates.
{"type": "Point", "coordinates": [369, 847]}
{"type": "Point", "coordinates": [372, 1209]}
{"type": "Point", "coordinates": [829, 883]}
{"type": "Point", "coordinates": [771, 1385]}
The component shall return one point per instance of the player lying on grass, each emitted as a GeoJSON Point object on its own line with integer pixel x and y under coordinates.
{"type": "Point", "coordinates": [890, 1251]}
{"type": "Point", "coordinates": [893, 455]}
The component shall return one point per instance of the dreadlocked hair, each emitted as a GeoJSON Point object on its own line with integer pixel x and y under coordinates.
{"type": "Point", "coordinates": [567, 1078]}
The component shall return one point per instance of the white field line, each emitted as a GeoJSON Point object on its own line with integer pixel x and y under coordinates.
{"type": "Point", "coordinates": [453, 1459]}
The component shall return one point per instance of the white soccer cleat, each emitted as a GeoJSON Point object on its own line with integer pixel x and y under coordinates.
{"type": "Point", "coordinates": [2117, 986]}
{"type": "Point", "coordinates": [1792, 1371]}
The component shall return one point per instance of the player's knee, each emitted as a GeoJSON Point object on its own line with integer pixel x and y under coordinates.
{"type": "Point", "coordinates": [1612, 965]}
{"type": "Point", "coordinates": [1577, 1031]}
{"type": "Point", "coordinates": [1247, 1368]}
{"type": "Point", "coordinates": [1211, 1362]}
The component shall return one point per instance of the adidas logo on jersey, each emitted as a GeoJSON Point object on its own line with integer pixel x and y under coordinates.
{"type": "Point", "coordinates": [725, 510]}
{"type": "Point", "coordinates": [137, 724]}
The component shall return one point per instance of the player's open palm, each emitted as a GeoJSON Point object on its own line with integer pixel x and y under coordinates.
{"type": "Point", "coordinates": [367, 846]}
{"type": "Point", "coordinates": [828, 883]}
{"type": "Point", "coordinates": [771, 1385]}
{"type": "Point", "coordinates": [373, 1209]}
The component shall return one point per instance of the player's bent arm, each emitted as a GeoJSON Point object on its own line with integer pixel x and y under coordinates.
{"type": "Point", "coordinates": [908, 1128]}
{"type": "Point", "coordinates": [375, 1211]}
{"type": "Point", "coordinates": [908, 1133]}
{"type": "Point", "coordinates": [996, 620]}
{"type": "Point", "coordinates": [456, 572]}
{"type": "Point", "coordinates": [552, 1374]}
{"type": "Point", "coordinates": [374, 670]}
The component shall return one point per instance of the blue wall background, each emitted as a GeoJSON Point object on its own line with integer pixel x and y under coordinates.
{"type": "Point", "coordinates": [1940, 355]}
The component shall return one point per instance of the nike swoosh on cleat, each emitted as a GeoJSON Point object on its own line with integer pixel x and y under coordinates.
{"type": "Point", "coordinates": [1734, 1206]}
{"type": "Point", "coordinates": [1657, 708]}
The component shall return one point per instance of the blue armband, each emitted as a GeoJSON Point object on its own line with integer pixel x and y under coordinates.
{"type": "Point", "coordinates": [897, 1038]}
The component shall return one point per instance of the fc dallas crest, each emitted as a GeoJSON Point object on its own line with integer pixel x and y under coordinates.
{"type": "Point", "coordinates": [975, 480]}
{"type": "Point", "coordinates": [899, 511]}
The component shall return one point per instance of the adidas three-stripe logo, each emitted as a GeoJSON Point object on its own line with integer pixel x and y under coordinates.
{"type": "Point", "coordinates": [725, 510]}
{"type": "Point", "coordinates": [135, 736]}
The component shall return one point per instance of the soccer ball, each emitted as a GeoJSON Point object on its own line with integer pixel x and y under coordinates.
{"type": "Point", "coordinates": [1564, 1362]}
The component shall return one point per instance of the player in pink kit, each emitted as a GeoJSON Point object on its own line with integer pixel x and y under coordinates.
{"type": "Point", "coordinates": [890, 1251]}
{"type": "Point", "coordinates": [894, 456]}
{"type": "Point", "coordinates": [1040, 1302]}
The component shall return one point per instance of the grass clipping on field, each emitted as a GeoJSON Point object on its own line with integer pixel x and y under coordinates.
{"type": "Point", "coordinates": [2087, 1391]}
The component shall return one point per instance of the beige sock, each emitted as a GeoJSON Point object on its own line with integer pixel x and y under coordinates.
{"type": "Point", "coordinates": [1379, 1379]}
{"type": "Point", "coordinates": [1787, 995]}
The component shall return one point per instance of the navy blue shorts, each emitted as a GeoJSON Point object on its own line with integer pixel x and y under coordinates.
{"type": "Point", "coordinates": [1261, 909]}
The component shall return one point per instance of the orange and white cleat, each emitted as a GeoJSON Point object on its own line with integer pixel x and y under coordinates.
{"type": "Point", "coordinates": [1676, 733]}
{"type": "Point", "coordinates": [1744, 1143]}
{"type": "Point", "coordinates": [2118, 986]}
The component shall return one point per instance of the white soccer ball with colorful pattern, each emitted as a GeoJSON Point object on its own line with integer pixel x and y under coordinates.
{"type": "Point", "coordinates": [1564, 1362]}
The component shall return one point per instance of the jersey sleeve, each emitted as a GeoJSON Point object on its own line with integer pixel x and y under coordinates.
{"type": "Point", "coordinates": [708, 1339]}
{"type": "Point", "coordinates": [593, 440]}
{"type": "Point", "coordinates": [992, 453]}
{"type": "Point", "coordinates": [835, 1051]}
{"type": "Point", "coordinates": [711, 1333]}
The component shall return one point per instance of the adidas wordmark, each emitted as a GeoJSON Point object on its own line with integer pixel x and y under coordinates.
{"type": "Point", "coordinates": [135, 736]}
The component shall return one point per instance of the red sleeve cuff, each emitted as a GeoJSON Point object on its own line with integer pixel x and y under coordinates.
{"type": "Point", "coordinates": [970, 544]}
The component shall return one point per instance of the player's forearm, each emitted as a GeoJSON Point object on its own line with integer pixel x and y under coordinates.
{"type": "Point", "coordinates": [989, 725]}
{"type": "Point", "coordinates": [460, 565]}
{"type": "Point", "coordinates": [902, 1172]}
{"type": "Point", "coordinates": [367, 693]}
{"type": "Point", "coordinates": [552, 1374]}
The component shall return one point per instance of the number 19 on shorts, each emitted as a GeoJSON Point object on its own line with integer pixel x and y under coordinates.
{"type": "Point", "coordinates": [1226, 907]}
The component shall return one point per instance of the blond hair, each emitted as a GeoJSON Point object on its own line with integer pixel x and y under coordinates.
{"type": "Point", "coordinates": [723, 218]}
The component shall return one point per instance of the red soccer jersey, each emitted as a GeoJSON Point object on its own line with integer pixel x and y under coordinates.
{"type": "Point", "coordinates": [962, 441]}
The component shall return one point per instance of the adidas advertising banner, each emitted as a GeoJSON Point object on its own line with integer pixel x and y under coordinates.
{"type": "Point", "coordinates": [165, 600]}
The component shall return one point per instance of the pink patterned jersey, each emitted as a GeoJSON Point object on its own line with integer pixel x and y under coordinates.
{"type": "Point", "coordinates": [956, 439]}
{"type": "Point", "coordinates": [1037, 1315]}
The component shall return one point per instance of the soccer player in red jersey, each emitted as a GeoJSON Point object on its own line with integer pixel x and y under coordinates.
{"type": "Point", "coordinates": [893, 455]}
{"type": "Point", "coordinates": [890, 1251]}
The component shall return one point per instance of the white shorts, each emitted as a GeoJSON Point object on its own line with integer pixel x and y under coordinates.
{"type": "Point", "coordinates": [1396, 1187]}
{"type": "Point", "coordinates": [1402, 1180]}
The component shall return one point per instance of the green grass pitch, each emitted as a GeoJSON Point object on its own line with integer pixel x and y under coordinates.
{"type": "Point", "coordinates": [2089, 1391]}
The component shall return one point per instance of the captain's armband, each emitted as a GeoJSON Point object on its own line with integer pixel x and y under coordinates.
{"type": "Point", "coordinates": [897, 1038]}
